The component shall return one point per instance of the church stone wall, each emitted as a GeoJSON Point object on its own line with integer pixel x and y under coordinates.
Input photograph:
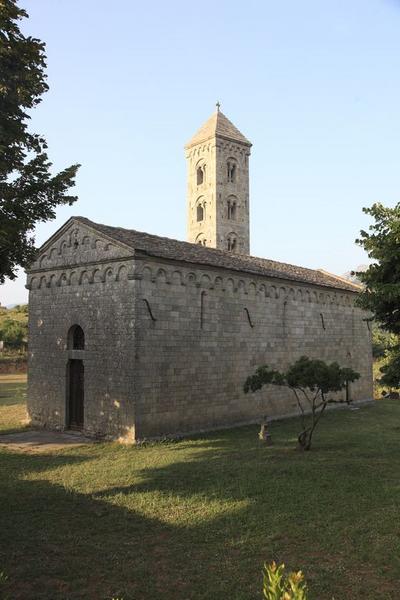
{"type": "Point", "coordinates": [96, 294]}
{"type": "Point", "coordinates": [201, 332]}
{"type": "Point", "coordinates": [168, 345]}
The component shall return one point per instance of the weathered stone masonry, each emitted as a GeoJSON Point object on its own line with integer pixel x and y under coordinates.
{"type": "Point", "coordinates": [212, 329]}
{"type": "Point", "coordinates": [85, 285]}
{"type": "Point", "coordinates": [132, 335]}
{"type": "Point", "coordinates": [172, 330]}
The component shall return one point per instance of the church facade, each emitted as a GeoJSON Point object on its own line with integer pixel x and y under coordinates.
{"type": "Point", "coordinates": [135, 336]}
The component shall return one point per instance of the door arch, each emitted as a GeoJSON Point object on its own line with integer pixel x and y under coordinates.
{"type": "Point", "coordinates": [75, 394]}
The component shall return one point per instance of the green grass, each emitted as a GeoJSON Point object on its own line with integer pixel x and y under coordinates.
{"type": "Point", "coordinates": [196, 519]}
{"type": "Point", "coordinates": [12, 402]}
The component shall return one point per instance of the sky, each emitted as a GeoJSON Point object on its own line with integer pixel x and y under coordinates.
{"type": "Point", "coordinates": [314, 85]}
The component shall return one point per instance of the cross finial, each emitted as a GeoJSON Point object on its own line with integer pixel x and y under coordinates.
{"type": "Point", "coordinates": [218, 104]}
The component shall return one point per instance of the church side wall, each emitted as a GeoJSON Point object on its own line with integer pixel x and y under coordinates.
{"type": "Point", "coordinates": [100, 299]}
{"type": "Point", "coordinates": [201, 332]}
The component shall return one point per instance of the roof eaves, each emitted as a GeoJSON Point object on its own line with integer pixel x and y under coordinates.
{"type": "Point", "coordinates": [357, 286]}
{"type": "Point", "coordinates": [281, 275]}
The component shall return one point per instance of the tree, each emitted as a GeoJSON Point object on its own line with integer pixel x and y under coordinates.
{"type": "Point", "coordinates": [311, 381]}
{"type": "Point", "coordinates": [382, 342]}
{"type": "Point", "coordinates": [14, 327]}
{"type": "Point", "coordinates": [381, 280]}
{"type": "Point", "coordinates": [13, 333]}
{"type": "Point", "coordinates": [29, 194]}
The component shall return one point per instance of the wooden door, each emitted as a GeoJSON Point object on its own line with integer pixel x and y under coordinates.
{"type": "Point", "coordinates": [75, 394]}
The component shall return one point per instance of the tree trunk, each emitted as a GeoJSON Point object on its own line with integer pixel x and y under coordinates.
{"type": "Point", "coordinates": [304, 440]}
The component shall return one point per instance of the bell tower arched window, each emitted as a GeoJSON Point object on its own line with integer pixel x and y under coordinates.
{"type": "Point", "coordinates": [200, 174]}
{"type": "Point", "coordinates": [201, 239]}
{"type": "Point", "coordinates": [232, 206]}
{"type": "Point", "coordinates": [200, 209]}
{"type": "Point", "coordinates": [231, 242]}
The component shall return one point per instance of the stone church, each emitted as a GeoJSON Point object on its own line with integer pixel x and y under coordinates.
{"type": "Point", "coordinates": [134, 336]}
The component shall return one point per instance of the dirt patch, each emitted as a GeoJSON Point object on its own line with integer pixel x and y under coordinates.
{"type": "Point", "coordinates": [40, 441]}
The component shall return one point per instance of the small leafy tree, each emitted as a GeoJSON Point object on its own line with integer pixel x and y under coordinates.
{"type": "Point", "coordinates": [311, 381]}
{"type": "Point", "coordinates": [381, 281]}
{"type": "Point", "coordinates": [279, 586]}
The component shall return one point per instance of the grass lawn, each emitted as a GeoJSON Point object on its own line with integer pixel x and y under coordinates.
{"type": "Point", "coordinates": [12, 402]}
{"type": "Point", "coordinates": [196, 519]}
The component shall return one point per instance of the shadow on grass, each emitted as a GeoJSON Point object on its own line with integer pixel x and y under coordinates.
{"type": "Point", "coordinates": [195, 520]}
{"type": "Point", "coordinates": [60, 544]}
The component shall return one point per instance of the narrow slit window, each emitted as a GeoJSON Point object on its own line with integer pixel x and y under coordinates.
{"type": "Point", "coordinates": [202, 297]}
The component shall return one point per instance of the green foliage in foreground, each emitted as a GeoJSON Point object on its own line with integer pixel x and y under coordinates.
{"type": "Point", "coordinates": [381, 280]}
{"type": "Point", "coordinates": [198, 518]}
{"type": "Point", "coordinates": [3, 583]}
{"type": "Point", "coordinates": [310, 380]}
{"type": "Point", "coordinates": [279, 586]}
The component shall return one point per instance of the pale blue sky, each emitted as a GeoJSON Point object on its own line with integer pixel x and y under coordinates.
{"type": "Point", "coordinates": [315, 85]}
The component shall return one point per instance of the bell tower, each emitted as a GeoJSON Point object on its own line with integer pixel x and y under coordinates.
{"type": "Point", "coordinates": [218, 186]}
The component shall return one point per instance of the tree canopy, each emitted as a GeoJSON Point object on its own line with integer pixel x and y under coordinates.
{"type": "Point", "coordinates": [29, 192]}
{"type": "Point", "coordinates": [382, 278]}
{"type": "Point", "coordinates": [381, 294]}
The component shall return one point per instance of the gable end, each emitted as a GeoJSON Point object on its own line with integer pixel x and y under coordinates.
{"type": "Point", "coordinates": [76, 243]}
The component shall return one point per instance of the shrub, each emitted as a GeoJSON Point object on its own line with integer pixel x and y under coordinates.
{"type": "Point", "coordinates": [279, 586]}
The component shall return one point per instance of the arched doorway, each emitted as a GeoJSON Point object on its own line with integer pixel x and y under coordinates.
{"type": "Point", "coordinates": [75, 387]}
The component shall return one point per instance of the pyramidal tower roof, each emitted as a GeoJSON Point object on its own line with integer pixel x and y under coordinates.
{"type": "Point", "coordinates": [218, 125]}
